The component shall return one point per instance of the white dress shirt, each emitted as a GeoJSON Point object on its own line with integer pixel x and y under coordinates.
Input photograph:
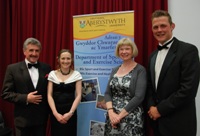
{"type": "Point", "coordinates": [34, 73]}
{"type": "Point", "coordinates": [160, 60]}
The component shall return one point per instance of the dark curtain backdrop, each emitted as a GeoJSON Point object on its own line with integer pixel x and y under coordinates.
{"type": "Point", "coordinates": [50, 21]}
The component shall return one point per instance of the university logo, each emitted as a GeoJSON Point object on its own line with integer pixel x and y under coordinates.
{"type": "Point", "coordinates": [82, 23]}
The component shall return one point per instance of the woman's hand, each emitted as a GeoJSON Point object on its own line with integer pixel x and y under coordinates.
{"type": "Point", "coordinates": [60, 118]}
{"type": "Point", "coordinates": [67, 116]}
{"type": "Point", "coordinates": [114, 118]}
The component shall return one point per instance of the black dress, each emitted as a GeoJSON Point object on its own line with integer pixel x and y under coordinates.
{"type": "Point", "coordinates": [64, 96]}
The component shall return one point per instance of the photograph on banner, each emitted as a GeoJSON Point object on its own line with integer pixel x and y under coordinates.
{"type": "Point", "coordinates": [90, 89]}
{"type": "Point", "coordinates": [96, 128]}
{"type": "Point", "coordinates": [101, 103]}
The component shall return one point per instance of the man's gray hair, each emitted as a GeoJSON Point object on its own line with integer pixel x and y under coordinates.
{"type": "Point", "coordinates": [33, 41]}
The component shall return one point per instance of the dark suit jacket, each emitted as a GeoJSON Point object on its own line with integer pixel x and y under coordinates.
{"type": "Point", "coordinates": [17, 84]}
{"type": "Point", "coordinates": [176, 90]}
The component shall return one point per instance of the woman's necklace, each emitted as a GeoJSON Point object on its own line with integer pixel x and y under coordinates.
{"type": "Point", "coordinates": [124, 68]}
{"type": "Point", "coordinates": [64, 73]}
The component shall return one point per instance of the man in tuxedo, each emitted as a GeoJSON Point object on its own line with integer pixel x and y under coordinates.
{"type": "Point", "coordinates": [25, 85]}
{"type": "Point", "coordinates": [173, 79]}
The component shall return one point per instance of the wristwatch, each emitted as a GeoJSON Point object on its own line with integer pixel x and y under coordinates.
{"type": "Point", "coordinates": [71, 112]}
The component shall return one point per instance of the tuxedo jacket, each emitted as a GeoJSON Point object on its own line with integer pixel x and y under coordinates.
{"type": "Point", "coordinates": [17, 84]}
{"type": "Point", "coordinates": [176, 89]}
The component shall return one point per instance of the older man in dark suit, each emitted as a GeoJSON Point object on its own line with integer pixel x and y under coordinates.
{"type": "Point", "coordinates": [173, 79]}
{"type": "Point", "coordinates": [25, 85]}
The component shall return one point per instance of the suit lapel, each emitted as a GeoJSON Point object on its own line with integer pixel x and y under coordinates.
{"type": "Point", "coordinates": [26, 76]}
{"type": "Point", "coordinates": [41, 76]}
{"type": "Point", "coordinates": [168, 60]}
{"type": "Point", "coordinates": [152, 67]}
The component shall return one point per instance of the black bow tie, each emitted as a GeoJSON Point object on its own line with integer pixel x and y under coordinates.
{"type": "Point", "coordinates": [165, 45]}
{"type": "Point", "coordinates": [32, 65]}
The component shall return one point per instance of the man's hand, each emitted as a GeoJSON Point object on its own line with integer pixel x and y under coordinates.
{"type": "Point", "coordinates": [33, 98]}
{"type": "Point", "coordinates": [153, 113]}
